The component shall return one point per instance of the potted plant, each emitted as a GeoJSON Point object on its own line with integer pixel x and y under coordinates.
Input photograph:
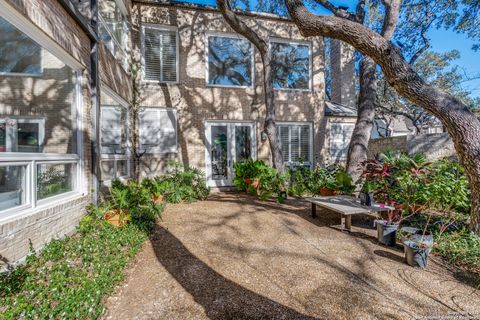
{"type": "Point", "coordinates": [328, 187]}
{"type": "Point", "coordinates": [417, 250]}
{"type": "Point", "coordinates": [387, 229]}
{"type": "Point", "coordinates": [366, 195]}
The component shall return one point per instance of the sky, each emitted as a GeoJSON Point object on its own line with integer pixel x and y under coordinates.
{"type": "Point", "coordinates": [441, 41]}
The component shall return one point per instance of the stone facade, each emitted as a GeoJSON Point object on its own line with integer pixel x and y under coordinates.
{"type": "Point", "coordinates": [433, 146]}
{"type": "Point", "coordinates": [197, 102]}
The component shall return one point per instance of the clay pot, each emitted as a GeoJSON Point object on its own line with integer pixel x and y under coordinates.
{"type": "Point", "coordinates": [327, 192]}
{"type": "Point", "coordinates": [116, 217]}
{"type": "Point", "coordinates": [157, 199]}
{"type": "Point", "coordinates": [247, 180]}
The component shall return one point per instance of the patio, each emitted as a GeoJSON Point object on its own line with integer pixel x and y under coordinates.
{"type": "Point", "coordinates": [234, 256]}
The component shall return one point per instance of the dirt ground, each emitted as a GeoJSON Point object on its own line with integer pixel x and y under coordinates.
{"type": "Point", "coordinates": [235, 257]}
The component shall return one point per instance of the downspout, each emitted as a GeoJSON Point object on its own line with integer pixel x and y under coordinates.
{"type": "Point", "coordinates": [91, 30]}
{"type": "Point", "coordinates": [95, 97]}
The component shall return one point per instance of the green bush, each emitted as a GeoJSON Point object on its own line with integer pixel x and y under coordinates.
{"type": "Point", "coordinates": [70, 277]}
{"type": "Point", "coordinates": [181, 184]}
{"type": "Point", "coordinates": [461, 248]}
{"type": "Point", "coordinates": [256, 177]}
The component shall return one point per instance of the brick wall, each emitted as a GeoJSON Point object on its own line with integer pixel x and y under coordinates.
{"type": "Point", "coordinates": [433, 146]}
{"type": "Point", "coordinates": [195, 102]}
{"type": "Point", "coordinates": [39, 227]}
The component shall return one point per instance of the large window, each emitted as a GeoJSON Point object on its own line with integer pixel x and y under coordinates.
{"type": "Point", "coordinates": [158, 130]}
{"type": "Point", "coordinates": [39, 143]}
{"type": "Point", "coordinates": [290, 65]}
{"type": "Point", "coordinates": [230, 61]}
{"type": "Point", "coordinates": [18, 53]}
{"type": "Point", "coordinates": [296, 143]}
{"type": "Point", "coordinates": [113, 28]}
{"type": "Point", "coordinates": [340, 135]}
{"type": "Point", "coordinates": [160, 54]}
{"type": "Point", "coordinates": [114, 137]}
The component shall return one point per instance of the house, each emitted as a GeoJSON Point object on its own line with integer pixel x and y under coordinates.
{"type": "Point", "coordinates": [67, 79]}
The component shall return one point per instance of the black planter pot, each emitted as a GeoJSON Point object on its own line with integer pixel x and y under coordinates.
{"type": "Point", "coordinates": [386, 233]}
{"type": "Point", "coordinates": [366, 198]}
{"type": "Point", "coordinates": [415, 256]}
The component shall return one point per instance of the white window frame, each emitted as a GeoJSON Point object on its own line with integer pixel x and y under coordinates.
{"type": "Point", "coordinates": [157, 149]}
{"type": "Point", "coordinates": [310, 60]}
{"type": "Point", "coordinates": [231, 36]}
{"type": "Point", "coordinates": [310, 140]}
{"type": "Point", "coordinates": [118, 157]}
{"type": "Point", "coordinates": [11, 141]}
{"type": "Point", "coordinates": [32, 159]}
{"type": "Point", "coordinates": [123, 55]}
{"type": "Point", "coordinates": [332, 141]}
{"type": "Point", "coordinates": [142, 49]}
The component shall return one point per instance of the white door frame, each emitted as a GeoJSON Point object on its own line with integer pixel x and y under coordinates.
{"type": "Point", "coordinates": [230, 148]}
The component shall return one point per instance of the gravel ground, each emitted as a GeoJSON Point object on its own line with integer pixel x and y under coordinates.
{"type": "Point", "coordinates": [234, 257]}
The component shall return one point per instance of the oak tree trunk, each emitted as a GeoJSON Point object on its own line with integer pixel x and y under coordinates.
{"type": "Point", "coordinates": [357, 150]}
{"type": "Point", "coordinates": [462, 125]}
{"type": "Point", "coordinates": [269, 126]}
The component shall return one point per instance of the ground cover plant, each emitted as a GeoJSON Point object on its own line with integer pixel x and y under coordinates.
{"type": "Point", "coordinates": [70, 277]}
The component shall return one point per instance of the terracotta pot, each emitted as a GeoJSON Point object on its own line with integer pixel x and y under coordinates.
{"type": "Point", "coordinates": [116, 217]}
{"type": "Point", "coordinates": [256, 183]}
{"type": "Point", "coordinates": [327, 192]}
{"type": "Point", "coordinates": [157, 199]}
{"type": "Point", "coordinates": [247, 180]}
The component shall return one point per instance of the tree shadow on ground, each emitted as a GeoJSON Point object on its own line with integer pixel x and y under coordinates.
{"type": "Point", "coordinates": [220, 297]}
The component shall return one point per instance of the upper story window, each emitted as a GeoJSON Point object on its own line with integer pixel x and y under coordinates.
{"type": "Point", "coordinates": [160, 54]}
{"type": "Point", "coordinates": [113, 27]}
{"type": "Point", "coordinates": [340, 135]}
{"type": "Point", "coordinates": [18, 53]}
{"type": "Point", "coordinates": [296, 143]}
{"type": "Point", "coordinates": [290, 65]}
{"type": "Point", "coordinates": [39, 137]}
{"type": "Point", "coordinates": [230, 61]}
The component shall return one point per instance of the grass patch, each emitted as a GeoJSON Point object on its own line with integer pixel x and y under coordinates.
{"type": "Point", "coordinates": [70, 277]}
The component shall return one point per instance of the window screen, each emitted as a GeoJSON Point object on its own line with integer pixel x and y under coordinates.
{"type": "Point", "coordinates": [340, 135]}
{"type": "Point", "coordinates": [158, 130]}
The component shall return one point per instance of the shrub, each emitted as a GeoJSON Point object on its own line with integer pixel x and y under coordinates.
{"type": "Point", "coordinates": [181, 184]}
{"type": "Point", "coordinates": [461, 248]}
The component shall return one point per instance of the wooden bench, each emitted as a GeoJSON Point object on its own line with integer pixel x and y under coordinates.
{"type": "Point", "coordinates": [346, 206]}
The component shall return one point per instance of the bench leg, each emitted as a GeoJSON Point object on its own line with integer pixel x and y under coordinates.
{"type": "Point", "coordinates": [346, 222]}
{"type": "Point", "coordinates": [314, 210]}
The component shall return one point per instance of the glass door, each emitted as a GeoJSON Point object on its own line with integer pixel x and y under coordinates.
{"type": "Point", "coordinates": [227, 143]}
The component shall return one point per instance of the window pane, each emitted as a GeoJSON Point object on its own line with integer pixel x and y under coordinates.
{"type": "Point", "coordinates": [12, 186]}
{"type": "Point", "coordinates": [113, 120]}
{"type": "Point", "coordinates": [122, 170]}
{"type": "Point", "coordinates": [107, 168]}
{"type": "Point", "coordinates": [160, 56]}
{"type": "Point", "coordinates": [157, 130]}
{"type": "Point", "coordinates": [113, 17]}
{"type": "Point", "coordinates": [290, 66]}
{"type": "Point", "coordinates": [340, 135]}
{"type": "Point", "coordinates": [18, 53]}
{"type": "Point", "coordinates": [37, 114]}
{"type": "Point", "coordinates": [295, 143]}
{"type": "Point", "coordinates": [243, 143]}
{"type": "Point", "coordinates": [54, 179]}
{"type": "Point", "coordinates": [229, 61]}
